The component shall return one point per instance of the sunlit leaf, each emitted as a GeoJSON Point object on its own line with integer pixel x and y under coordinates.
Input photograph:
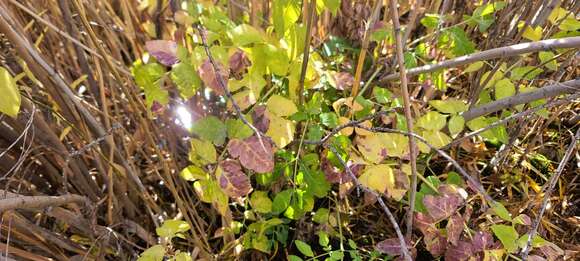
{"type": "Point", "coordinates": [378, 178]}
{"type": "Point", "coordinates": [504, 88]}
{"type": "Point", "coordinates": [507, 235]}
{"type": "Point", "coordinates": [170, 228]}
{"type": "Point", "coordinates": [10, 98]}
{"type": "Point", "coordinates": [449, 105]}
{"type": "Point", "coordinates": [261, 202]}
{"type": "Point", "coordinates": [154, 253]}
{"type": "Point", "coordinates": [186, 79]}
{"type": "Point", "coordinates": [473, 67]}
{"type": "Point", "coordinates": [531, 33]}
{"type": "Point", "coordinates": [204, 149]}
{"type": "Point", "coordinates": [192, 173]}
{"type": "Point", "coordinates": [432, 121]}
{"type": "Point", "coordinates": [210, 78]}
{"type": "Point", "coordinates": [236, 129]}
{"type": "Point", "coordinates": [547, 58]}
{"type": "Point", "coordinates": [281, 130]}
{"type": "Point", "coordinates": [456, 124]}
{"type": "Point", "coordinates": [245, 34]}
{"type": "Point", "coordinates": [281, 106]}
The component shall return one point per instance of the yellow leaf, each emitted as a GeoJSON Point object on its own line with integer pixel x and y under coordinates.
{"type": "Point", "coordinates": [281, 106]}
{"type": "Point", "coordinates": [204, 149]}
{"type": "Point", "coordinates": [10, 98]}
{"type": "Point", "coordinates": [556, 15]}
{"type": "Point", "coordinates": [244, 99]}
{"type": "Point", "coordinates": [346, 131]}
{"type": "Point", "coordinates": [530, 33]}
{"type": "Point", "coordinates": [376, 146]}
{"type": "Point", "coordinates": [281, 130]}
{"type": "Point", "coordinates": [436, 138]}
{"type": "Point", "coordinates": [378, 177]}
{"type": "Point", "coordinates": [363, 132]}
{"type": "Point", "coordinates": [473, 67]}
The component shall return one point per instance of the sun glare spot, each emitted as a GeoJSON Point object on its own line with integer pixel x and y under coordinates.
{"type": "Point", "coordinates": [183, 117]}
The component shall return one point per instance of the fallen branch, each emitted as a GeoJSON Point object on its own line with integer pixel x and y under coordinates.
{"type": "Point", "coordinates": [553, 90]}
{"type": "Point", "coordinates": [548, 188]}
{"type": "Point", "coordinates": [14, 201]}
{"type": "Point", "coordinates": [507, 51]}
{"type": "Point", "coordinates": [404, 247]}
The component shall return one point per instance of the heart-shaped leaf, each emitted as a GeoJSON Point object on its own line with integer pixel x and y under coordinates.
{"type": "Point", "coordinates": [211, 79]}
{"type": "Point", "coordinates": [442, 206]}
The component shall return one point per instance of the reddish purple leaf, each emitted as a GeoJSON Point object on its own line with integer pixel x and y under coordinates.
{"type": "Point", "coordinates": [481, 241]}
{"type": "Point", "coordinates": [239, 62]}
{"type": "Point", "coordinates": [536, 258]}
{"type": "Point", "coordinates": [390, 246]}
{"type": "Point", "coordinates": [454, 228]}
{"type": "Point", "coordinates": [460, 252]}
{"type": "Point", "coordinates": [253, 155]}
{"type": "Point", "coordinates": [343, 80]}
{"type": "Point", "coordinates": [164, 51]}
{"type": "Point", "coordinates": [232, 180]}
{"type": "Point", "coordinates": [435, 243]}
{"type": "Point", "coordinates": [211, 79]}
{"type": "Point", "coordinates": [335, 175]}
{"type": "Point", "coordinates": [552, 252]}
{"type": "Point", "coordinates": [442, 206]}
{"type": "Point", "coordinates": [260, 118]}
{"type": "Point", "coordinates": [424, 223]}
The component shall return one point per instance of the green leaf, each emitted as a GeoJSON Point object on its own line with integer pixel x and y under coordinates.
{"type": "Point", "coordinates": [431, 20]}
{"type": "Point", "coordinates": [454, 179]}
{"type": "Point", "coordinates": [449, 105]}
{"type": "Point", "coordinates": [501, 211]}
{"type": "Point", "coordinates": [525, 72]}
{"type": "Point", "coordinates": [192, 173]}
{"type": "Point", "coordinates": [382, 95]}
{"type": "Point", "coordinates": [432, 121]}
{"type": "Point", "coordinates": [261, 202]}
{"type": "Point", "coordinates": [410, 60]}
{"type": "Point", "coordinates": [182, 256]}
{"type": "Point", "coordinates": [245, 34]}
{"type": "Point", "coordinates": [170, 228]}
{"type": "Point", "coordinates": [10, 98]}
{"type": "Point", "coordinates": [436, 138]}
{"type": "Point", "coordinates": [185, 77]}
{"type": "Point", "coordinates": [210, 128]}
{"type": "Point", "coordinates": [323, 239]}
{"type": "Point", "coordinates": [456, 124]}
{"type": "Point", "coordinates": [329, 119]}
{"type": "Point", "coordinates": [236, 129]}
{"type": "Point", "coordinates": [281, 106]}
{"type": "Point", "coordinates": [498, 133]}
{"type": "Point", "coordinates": [473, 67]}
{"type": "Point", "coordinates": [332, 5]}
{"type": "Point", "coordinates": [547, 58]}
{"type": "Point", "coordinates": [281, 201]}
{"type": "Point", "coordinates": [507, 235]}
{"type": "Point", "coordinates": [336, 255]}
{"type": "Point", "coordinates": [321, 216]}
{"type": "Point", "coordinates": [317, 184]}
{"type": "Point", "coordinates": [460, 43]}
{"type": "Point", "coordinates": [504, 88]}
{"type": "Point", "coordinates": [438, 79]}
{"type": "Point", "coordinates": [304, 248]}
{"type": "Point", "coordinates": [147, 77]}
{"type": "Point", "coordinates": [294, 258]}
{"type": "Point", "coordinates": [285, 13]}
{"type": "Point", "coordinates": [204, 149]}
{"type": "Point", "coordinates": [154, 253]}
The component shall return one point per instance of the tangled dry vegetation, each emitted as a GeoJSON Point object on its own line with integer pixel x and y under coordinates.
{"type": "Point", "coordinates": [91, 162]}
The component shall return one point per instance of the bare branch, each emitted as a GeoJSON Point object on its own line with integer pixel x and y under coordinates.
{"type": "Point", "coordinates": [408, 117]}
{"type": "Point", "coordinates": [548, 188]}
{"type": "Point", "coordinates": [507, 51]}
{"type": "Point", "coordinates": [14, 201]}
{"type": "Point", "coordinates": [553, 90]}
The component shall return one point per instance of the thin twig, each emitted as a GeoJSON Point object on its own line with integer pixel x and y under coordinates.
{"type": "Point", "coordinates": [404, 247]}
{"type": "Point", "coordinates": [408, 117]}
{"type": "Point", "coordinates": [306, 52]}
{"type": "Point", "coordinates": [548, 188]}
{"type": "Point", "coordinates": [13, 201]}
